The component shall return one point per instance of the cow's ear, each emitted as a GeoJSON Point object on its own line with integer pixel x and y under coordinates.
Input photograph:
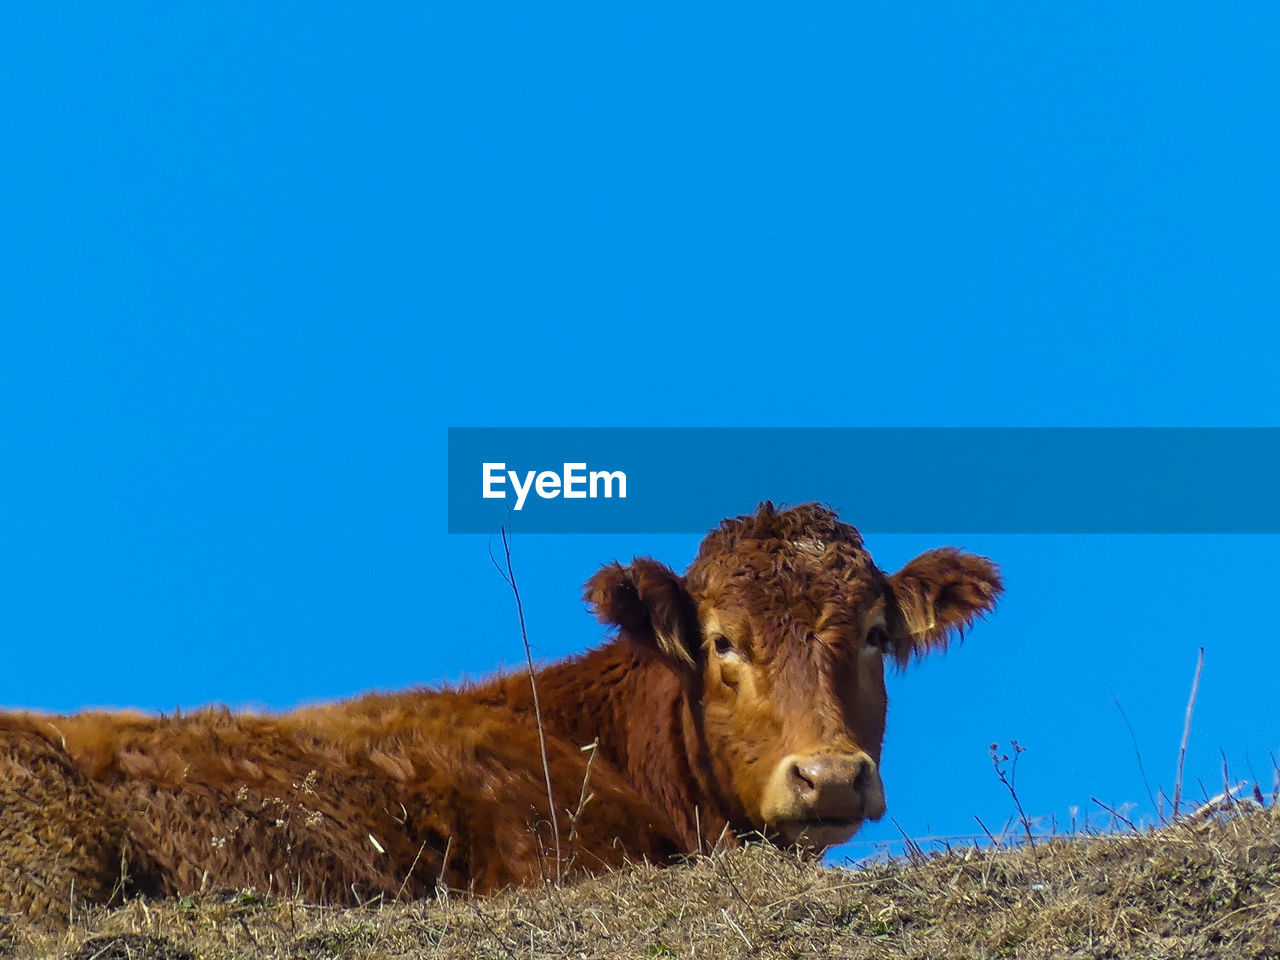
{"type": "Point", "coordinates": [649, 603]}
{"type": "Point", "coordinates": [938, 595]}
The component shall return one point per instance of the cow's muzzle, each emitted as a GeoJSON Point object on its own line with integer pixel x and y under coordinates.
{"type": "Point", "coordinates": [819, 799]}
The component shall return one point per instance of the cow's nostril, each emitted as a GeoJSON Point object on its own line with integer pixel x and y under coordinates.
{"type": "Point", "coordinates": [862, 779]}
{"type": "Point", "coordinates": [805, 780]}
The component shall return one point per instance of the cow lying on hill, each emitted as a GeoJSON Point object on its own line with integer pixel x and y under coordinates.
{"type": "Point", "coordinates": [746, 696]}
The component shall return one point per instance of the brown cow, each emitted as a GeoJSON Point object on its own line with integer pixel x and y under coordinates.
{"type": "Point", "coordinates": [745, 697]}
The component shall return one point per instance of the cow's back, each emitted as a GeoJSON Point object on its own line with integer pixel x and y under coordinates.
{"type": "Point", "coordinates": [220, 799]}
{"type": "Point", "coordinates": [381, 796]}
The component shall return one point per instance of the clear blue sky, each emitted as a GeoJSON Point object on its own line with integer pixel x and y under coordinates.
{"type": "Point", "coordinates": [256, 261]}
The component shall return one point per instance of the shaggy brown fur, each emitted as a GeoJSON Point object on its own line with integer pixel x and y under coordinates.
{"type": "Point", "coordinates": [744, 696]}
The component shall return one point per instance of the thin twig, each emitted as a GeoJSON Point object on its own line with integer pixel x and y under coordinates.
{"type": "Point", "coordinates": [914, 851]}
{"type": "Point", "coordinates": [724, 868]}
{"type": "Point", "coordinates": [1118, 816]}
{"type": "Point", "coordinates": [717, 846]}
{"type": "Point", "coordinates": [444, 865]}
{"type": "Point", "coordinates": [1010, 783]}
{"type": "Point", "coordinates": [1186, 732]}
{"type": "Point", "coordinates": [584, 797]}
{"type": "Point", "coordinates": [411, 866]}
{"type": "Point", "coordinates": [510, 576]}
{"type": "Point", "coordinates": [1226, 777]}
{"type": "Point", "coordinates": [988, 832]}
{"type": "Point", "coordinates": [1136, 752]}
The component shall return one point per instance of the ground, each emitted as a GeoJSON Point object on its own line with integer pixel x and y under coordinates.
{"type": "Point", "coordinates": [1204, 887]}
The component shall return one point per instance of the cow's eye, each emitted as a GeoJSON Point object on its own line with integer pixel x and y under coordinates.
{"type": "Point", "coordinates": [878, 639]}
{"type": "Point", "coordinates": [723, 645]}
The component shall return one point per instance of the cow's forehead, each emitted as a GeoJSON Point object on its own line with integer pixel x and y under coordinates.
{"type": "Point", "coordinates": [779, 543]}
{"type": "Point", "coordinates": [786, 569]}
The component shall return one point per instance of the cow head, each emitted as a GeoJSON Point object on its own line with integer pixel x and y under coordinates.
{"type": "Point", "coordinates": [782, 626]}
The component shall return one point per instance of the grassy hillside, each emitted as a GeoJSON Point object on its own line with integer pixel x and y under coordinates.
{"type": "Point", "coordinates": [1207, 886]}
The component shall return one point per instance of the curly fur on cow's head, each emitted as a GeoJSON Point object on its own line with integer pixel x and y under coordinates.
{"type": "Point", "coordinates": [787, 624]}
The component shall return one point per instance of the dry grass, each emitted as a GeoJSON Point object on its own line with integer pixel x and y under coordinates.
{"type": "Point", "coordinates": [1207, 886]}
